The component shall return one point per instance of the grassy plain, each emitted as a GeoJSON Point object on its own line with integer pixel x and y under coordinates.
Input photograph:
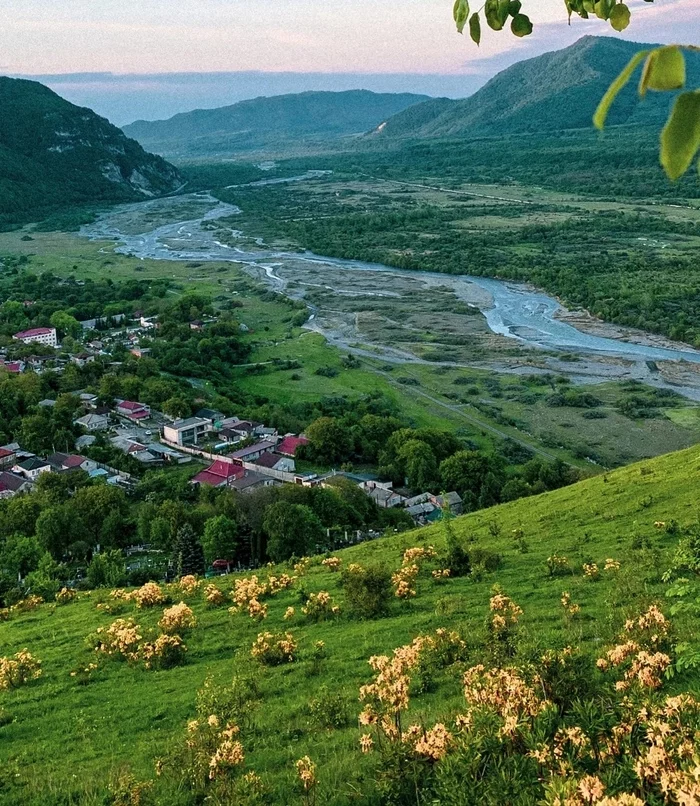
{"type": "Point", "coordinates": [63, 742]}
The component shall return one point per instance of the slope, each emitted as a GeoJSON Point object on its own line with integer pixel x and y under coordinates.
{"type": "Point", "coordinates": [555, 91]}
{"type": "Point", "coordinates": [64, 737]}
{"type": "Point", "coordinates": [264, 122]}
{"type": "Point", "coordinates": [54, 154]}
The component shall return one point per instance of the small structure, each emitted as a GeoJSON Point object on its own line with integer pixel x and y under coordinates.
{"type": "Point", "coordinates": [252, 481]}
{"type": "Point", "coordinates": [61, 462]}
{"type": "Point", "coordinates": [93, 422]}
{"type": "Point", "coordinates": [15, 367]}
{"type": "Point", "coordinates": [81, 359]}
{"type": "Point", "coordinates": [382, 494]}
{"type": "Point", "coordinates": [7, 458]}
{"type": "Point", "coordinates": [453, 500]}
{"type": "Point", "coordinates": [32, 468]}
{"type": "Point", "coordinates": [40, 335]}
{"type": "Point", "coordinates": [12, 484]}
{"type": "Point", "coordinates": [219, 474]}
{"type": "Point", "coordinates": [140, 352]}
{"type": "Point", "coordinates": [288, 446]}
{"type": "Point", "coordinates": [275, 461]}
{"type": "Point", "coordinates": [186, 432]}
{"type": "Point", "coordinates": [253, 452]}
{"type": "Point", "coordinates": [168, 454]}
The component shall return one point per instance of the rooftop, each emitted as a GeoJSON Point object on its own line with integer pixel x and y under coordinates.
{"type": "Point", "coordinates": [290, 443]}
{"type": "Point", "coordinates": [190, 422]}
{"type": "Point", "coordinates": [35, 331]}
{"type": "Point", "coordinates": [257, 448]}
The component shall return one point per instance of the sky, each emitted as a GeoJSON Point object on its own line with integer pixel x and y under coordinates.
{"type": "Point", "coordinates": [364, 39]}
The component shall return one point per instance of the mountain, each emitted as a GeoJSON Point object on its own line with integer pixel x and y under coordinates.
{"type": "Point", "coordinates": [555, 91]}
{"type": "Point", "coordinates": [264, 123]}
{"type": "Point", "coordinates": [54, 154]}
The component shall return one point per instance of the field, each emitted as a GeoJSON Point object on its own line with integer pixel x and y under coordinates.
{"type": "Point", "coordinates": [67, 739]}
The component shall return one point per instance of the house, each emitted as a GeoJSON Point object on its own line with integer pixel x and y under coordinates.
{"type": "Point", "coordinates": [47, 403]}
{"type": "Point", "coordinates": [186, 432]}
{"type": "Point", "coordinates": [140, 352]}
{"type": "Point", "coordinates": [15, 367]}
{"type": "Point", "coordinates": [40, 335]}
{"type": "Point", "coordinates": [251, 481]}
{"type": "Point", "coordinates": [85, 441]}
{"type": "Point", "coordinates": [11, 484]}
{"type": "Point", "coordinates": [167, 454]}
{"type": "Point", "coordinates": [382, 494]}
{"type": "Point", "coordinates": [93, 422]}
{"type": "Point", "coordinates": [7, 458]}
{"type": "Point", "coordinates": [196, 324]}
{"type": "Point", "coordinates": [288, 446]}
{"type": "Point", "coordinates": [453, 500]}
{"type": "Point", "coordinates": [133, 410]}
{"type": "Point", "coordinates": [212, 415]}
{"type": "Point", "coordinates": [230, 437]}
{"type": "Point", "coordinates": [244, 428]}
{"type": "Point", "coordinates": [67, 461]}
{"type": "Point", "coordinates": [37, 363]}
{"type": "Point", "coordinates": [275, 461]}
{"type": "Point", "coordinates": [88, 401]}
{"type": "Point", "coordinates": [253, 452]}
{"type": "Point", "coordinates": [32, 468]}
{"type": "Point", "coordinates": [219, 474]}
{"type": "Point", "coordinates": [81, 359]}
{"type": "Point", "coordinates": [148, 322]}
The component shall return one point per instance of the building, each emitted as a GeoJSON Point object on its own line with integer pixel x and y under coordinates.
{"type": "Point", "coordinates": [81, 359]}
{"type": "Point", "coordinates": [11, 484]}
{"type": "Point", "coordinates": [288, 446]}
{"type": "Point", "coordinates": [186, 432]}
{"type": "Point", "coordinates": [7, 458]}
{"type": "Point", "coordinates": [15, 367]}
{"type": "Point", "coordinates": [67, 461]}
{"type": "Point", "coordinates": [275, 461]}
{"type": "Point", "coordinates": [220, 474]}
{"type": "Point", "coordinates": [168, 454]}
{"type": "Point", "coordinates": [40, 335]}
{"type": "Point", "coordinates": [382, 494]}
{"type": "Point", "coordinates": [251, 481]}
{"type": "Point", "coordinates": [93, 422]}
{"type": "Point", "coordinates": [453, 500]}
{"type": "Point", "coordinates": [32, 468]}
{"type": "Point", "coordinates": [253, 452]}
{"type": "Point", "coordinates": [133, 410]}
{"type": "Point", "coordinates": [140, 352]}
{"type": "Point", "coordinates": [212, 415]}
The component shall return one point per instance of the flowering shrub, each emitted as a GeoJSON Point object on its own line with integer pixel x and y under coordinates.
{"type": "Point", "coordinates": [273, 650]}
{"type": "Point", "coordinates": [256, 610]}
{"type": "Point", "coordinates": [571, 609]}
{"type": "Point", "coordinates": [213, 596]}
{"type": "Point", "coordinates": [558, 566]}
{"type": "Point", "coordinates": [503, 624]}
{"type": "Point", "coordinates": [332, 563]}
{"type": "Point", "coordinates": [165, 652]}
{"type": "Point", "coordinates": [84, 674]}
{"type": "Point", "coordinates": [591, 572]}
{"type": "Point", "coordinates": [611, 565]}
{"type": "Point", "coordinates": [280, 583]}
{"type": "Point", "coordinates": [27, 604]}
{"type": "Point", "coordinates": [404, 581]}
{"type": "Point", "coordinates": [19, 670]}
{"type": "Point", "coordinates": [148, 595]}
{"type": "Point", "coordinates": [418, 554]}
{"type": "Point", "coordinates": [188, 584]}
{"type": "Point", "coordinates": [126, 790]}
{"type": "Point", "coordinates": [441, 574]}
{"type": "Point", "coordinates": [306, 773]}
{"type": "Point", "coordinates": [367, 590]}
{"type": "Point", "coordinates": [302, 566]}
{"type": "Point", "coordinates": [247, 589]}
{"type": "Point", "coordinates": [120, 640]}
{"type": "Point", "coordinates": [66, 595]}
{"type": "Point", "coordinates": [319, 606]}
{"type": "Point", "coordinates": [289, 613]}
{"type": "Point", "coordinates": [177, 618]}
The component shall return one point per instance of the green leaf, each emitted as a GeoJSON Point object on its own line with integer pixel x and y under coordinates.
{"type": "Point", "coordinates": [521, 25]}
{"type": "Point", "coordinates": [461, 13]}
{"type": "Point", "coordinates": [601, 112]}
{"type": "Point", "coordinates": [514, 7]}
{"type": "Point", "coordinates": [620, 17]}
{"type": "Point", "coordinates": [496, 12]}
{"type": "Point", "coordinates": [475, 28]}
{"type": "Point", "coordinates": [663, 70]}
{"type": "Point", "coordinates": [680, 138]}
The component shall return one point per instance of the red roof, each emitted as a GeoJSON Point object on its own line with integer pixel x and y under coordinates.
{"type": "Point", "coordinates": [35, 331]}
{"type": "Point", "coordinates": [4, 453]}
{"type": "Point", "coordinates": [73, 461]}
{"type": "Point", "coordinates": [289, 445]}
{"type": "Point", "coordinates": [11, 366]}
{"type": "Point", "coordinates": [138, 415]}
{"type": "Point", "coordinates": [219, 473]}
{"type": "Point", "coordinates": [129, 405]}
{"type": "Point", "coordinates": [268, 460]}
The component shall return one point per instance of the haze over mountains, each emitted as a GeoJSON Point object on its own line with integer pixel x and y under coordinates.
{"type": "Point", "coordinates": [53, 154]}
{"type": "Point", "coordinates": [286, 120]}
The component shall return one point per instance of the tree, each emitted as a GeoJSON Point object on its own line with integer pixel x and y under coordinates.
{"type": "Point", "coordinates": [188, 554]}
{"type": "Point", "coordinates": [293, 530]}
{"type": "Point", "coordinates": [20, 555]}
{"type": "Point", "coordinates": [107, 570]}
{"type": "Point", "coordinates": [220, 539]}
{"type": "Point", "coordinates": [57, 527]}
{"type": "Point", "coordinates": [330, 442]}
{"type": "Point", "coordinates": [419, 464]}
{"type": "Point", "coordinates": [177, 407]}
{"type": "Point", "coordinates": [663, 70]}
{"type": "Point", "coordinates": [66, 324]}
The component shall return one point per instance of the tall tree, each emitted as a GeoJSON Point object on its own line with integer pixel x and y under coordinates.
{"type": "Point", "coordinates": [188, 554]}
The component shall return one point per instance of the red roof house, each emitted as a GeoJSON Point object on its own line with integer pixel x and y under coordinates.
{"type": "Point", "coordinates": [289, 445]}
{"type": "Point", "coordinates": [220, 474]}
{"type": "Point", "coordinates": [132, 410]}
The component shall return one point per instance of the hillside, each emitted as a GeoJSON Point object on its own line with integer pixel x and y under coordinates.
{"type": "Point", "coordinates": [555, 91]}
{"type": "Point", "coordinates": [112, 722]}
{"type": "Point", "coordinates": [54, 154]}
{"type": "Point", "coordinates": [307, 117]}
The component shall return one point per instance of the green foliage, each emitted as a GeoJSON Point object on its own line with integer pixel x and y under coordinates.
{"type": "Point", "coordinates": [293, 530]}
{"type": "Point", "coordinates": [368, 591]}
{"type": "Point", "coordinates": [220, 539]}
{"type": "Point", "coordinates": [107, 570]}
{"type": "Point", "coordinates": [188, 554]}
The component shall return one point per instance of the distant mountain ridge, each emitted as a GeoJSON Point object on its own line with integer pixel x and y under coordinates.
{"type": "Point", "coordinates": [555, 91]}
{"type": "Point", "coordinates": [267, 122]}
{"type": "Point", "coordinates": [54, 154]}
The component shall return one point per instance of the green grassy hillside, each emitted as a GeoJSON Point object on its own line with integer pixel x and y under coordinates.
{"type": "Point", "coordinates": [66, 739]}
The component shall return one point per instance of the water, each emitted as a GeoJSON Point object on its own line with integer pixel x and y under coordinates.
{"type": "Point", "coordinates": [512, 310]}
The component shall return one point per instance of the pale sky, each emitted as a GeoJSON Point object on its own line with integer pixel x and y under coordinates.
{"type": "Point", "coordinates": [378, 36]}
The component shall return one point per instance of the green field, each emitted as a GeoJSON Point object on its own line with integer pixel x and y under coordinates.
{"type": "Point", "coordinates": [66, 742]}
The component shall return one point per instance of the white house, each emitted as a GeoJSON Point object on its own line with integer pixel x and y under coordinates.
{"type": "Point", "coordinates": [93, 422]}
{"type": "Point", "coordinates": [186, 432]}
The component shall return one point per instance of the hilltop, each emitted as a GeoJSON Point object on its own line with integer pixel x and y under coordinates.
{"type": "Point", "coordinates": [552, 92]}
{"type": "Point", "coordinates": [114, 721]}
{"type": "Point", "coordinates": [270, 123]}
{"type": "Point", "coordinates": [54, 155]}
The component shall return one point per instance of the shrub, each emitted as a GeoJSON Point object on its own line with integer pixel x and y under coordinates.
{"type": "Point", "coordinates": [165, 652]}
{"type": "Point", "coordinates": [558, 566]}
{"type": "Point", "coordinates": [177, 618]}
{"type": "Point", "coordinates": [404, 581]}
{"type": "Point", "coordinates": [213, 596]}
{"type": "Point", "coordinates": [319, 606]}
{"type": "Point", "coordinates": [65, 595]}
{"type": "Point", "coordinates": [19, 670]}
{"type": "Point", "coordinates": [367, 590]}
{"type": "Point", "coordinates": [149, 595]}
{"type": "Point", "coordinates": [274, 650]}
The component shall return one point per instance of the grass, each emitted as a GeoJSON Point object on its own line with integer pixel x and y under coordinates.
{"type": "Point", "coordinates": [67, 740]}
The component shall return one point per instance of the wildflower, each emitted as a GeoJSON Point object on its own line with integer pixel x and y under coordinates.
{"type": "Point", "coordinates": [19, 670]}
{"type": "Point", "coordinates": [332, 563]}
{"type": "Point", "coordinates": [404, 581]}
{"type": "Point", "coordinates": [319, 606]}
{"type": "Point", "coordinates": [591, 572]}
{"type": "Point", "coordinates": [306, 771]}
{"type": "Point", "coordinates": [366, 743]}
{"type": "Point", "coordinates": [418, 554]}
{"type": "Point", "coordinates": [289, 613]}
{"type": "Point", "coordinates": [188, 584]}
{"type": "Point", "coordinates": [611, 565]}
{"type": "Point", "coordinates": [177, 618]}
{"type": "Point", "coordinates": [441, 573]}
{"type": "Point", "coordinates": [149, 595]}
{"type": "Point", "coordinates": [591, 788]}
{"type": "Point", "coordinates": [65, 595]}
{"type": "Point", "coordinates": [571, 609]}
{"type": "Point", "coordinates": [434, 743]}
{"type": "Point", "coordinates": [273, 650]}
